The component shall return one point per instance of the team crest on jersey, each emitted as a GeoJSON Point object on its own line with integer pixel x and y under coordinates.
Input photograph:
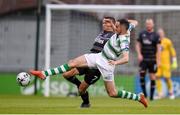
{"type": "Point", "coordinates": [144, 35]}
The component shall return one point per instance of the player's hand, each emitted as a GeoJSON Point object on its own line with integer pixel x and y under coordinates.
{"type": "Point", "coordinates": [112, 24]}
{"type": "Point", "coordinates": [174, 65]}
{"type": "Point", "coordinates": [140, 58]}
{"type": "Point", "coordinates": [112, 62]}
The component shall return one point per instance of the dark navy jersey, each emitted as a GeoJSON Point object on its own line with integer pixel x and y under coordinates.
{"type": "Point", "coordinates": [100, 41]}
{"type": "Point", "coordinates": [148, 41]}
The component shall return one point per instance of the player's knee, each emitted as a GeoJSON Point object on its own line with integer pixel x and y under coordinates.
{"type": "Point", "coordinates": [72, 63]}
{"type": "Point", "coordinates": [81, 91]}
{"type": "Point", "coordinates": [152, 76]}
{"type": "Point", "coordinates": [83, 87]}
{"type": "Point", "coordinates": [142, 73]}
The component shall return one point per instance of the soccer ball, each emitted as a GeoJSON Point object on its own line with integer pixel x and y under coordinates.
{"type": "Point", "coordinates": [23, 79]}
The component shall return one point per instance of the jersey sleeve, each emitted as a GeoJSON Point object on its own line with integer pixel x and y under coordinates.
{"type": "Point", "coordinates": [172, 50]}
{"type": "Point", "coordinates": [124, 44]}
{"type": "Point", "coordinates": [131, 26]}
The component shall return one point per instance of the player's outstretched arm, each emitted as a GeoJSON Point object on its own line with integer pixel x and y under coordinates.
{"type": "Point", "coordinates": [134, 22]}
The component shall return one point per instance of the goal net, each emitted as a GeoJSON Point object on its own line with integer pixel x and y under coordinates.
{"type": "Point", "coordinates": [71, 30]}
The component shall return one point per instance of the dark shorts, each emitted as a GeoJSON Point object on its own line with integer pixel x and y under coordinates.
{"type": "Point", "coordinates": [149, 66]}
{"type": "Point", "coordinates": [91, 75]}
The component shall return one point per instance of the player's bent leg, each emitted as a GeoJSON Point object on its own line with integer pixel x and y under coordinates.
{"type": "Point", "coordinates": [84, 94]}
{"type": "Point", "coordinates": [91, 76]}
{"type": "Point", "coordinates": [70, 73]}
{"type": "Point", "coordinates": [83, 87]}
{"type": "Point", "coordinates": [110, 88]}
{"type": "Point", "coordinates": [77, 62]}
{"type": "Point", "coordinates": [70, 76]}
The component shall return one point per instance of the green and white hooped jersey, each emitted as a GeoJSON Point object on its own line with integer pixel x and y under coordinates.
{"type": "Point", "coordinates": [116, 45]}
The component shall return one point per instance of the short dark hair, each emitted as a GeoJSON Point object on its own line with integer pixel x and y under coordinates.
{"type": "Point", "coordinates": [124, 22]}
{"type": "Point", "coordinates": [111, 18]}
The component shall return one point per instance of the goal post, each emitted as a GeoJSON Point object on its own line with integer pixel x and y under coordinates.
{"type": "Point", "coordinates": [94, 10]}
{"type": "Point", "coordinates": [47, 48]}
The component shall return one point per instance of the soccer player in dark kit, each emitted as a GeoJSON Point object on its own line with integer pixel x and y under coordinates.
{"type": "Point", "coordinates": [148, 50]}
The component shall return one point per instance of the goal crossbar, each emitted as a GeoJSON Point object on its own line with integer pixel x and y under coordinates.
{"type": "Point", "coordinates": [114, 7]}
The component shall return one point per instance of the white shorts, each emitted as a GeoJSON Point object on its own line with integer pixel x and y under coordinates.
{"type": "Point", "coordinates": [101, 63]}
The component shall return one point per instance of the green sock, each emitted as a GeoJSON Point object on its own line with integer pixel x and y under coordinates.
{"type": "Point", "coordinates": [58, 70]}
{"type": "Point", "coordinates": [128, 95]}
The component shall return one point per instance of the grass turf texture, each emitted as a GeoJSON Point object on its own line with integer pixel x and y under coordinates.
{"type": "Point", "coordinates": [104, 105]}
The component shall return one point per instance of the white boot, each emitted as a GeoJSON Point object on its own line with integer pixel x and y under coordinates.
{"type": "Point", "coordinates": [159, 96]}
{"type": "Point", "coordinates": [172, 96]}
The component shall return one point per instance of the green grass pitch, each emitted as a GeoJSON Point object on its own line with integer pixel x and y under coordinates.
{"type": "Point", "coordinates": [99, 105]}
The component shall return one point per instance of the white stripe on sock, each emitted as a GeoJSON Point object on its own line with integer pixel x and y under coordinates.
{"type": "Point", "coordinates": [56, 70]}
{"type": "Point", "coordinates": [134, 96]}
{"type": "Point", "coordinates": [129, 95]}
{"type": "Point", "coordinates": [62, 68]}
{"type": "Point", "coordinates": [123, 93]}
{"type": "Point", "coordinates": [49, 72]}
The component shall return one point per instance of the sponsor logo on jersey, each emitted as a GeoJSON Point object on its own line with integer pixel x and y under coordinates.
{"type": "Point", "coordinates": [147, 41]}
{"type": "Point", "coordinates": [99, 41]}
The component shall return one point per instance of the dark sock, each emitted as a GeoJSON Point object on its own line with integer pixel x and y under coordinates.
{"type": "Point", "coordinates": [85, 98]}
{"type": "Point", "coordinates": [143, 83]}
{"type": "Point", "coordinates": [74, 80]}
{"type": "Point", "coordinates": [153, 83]}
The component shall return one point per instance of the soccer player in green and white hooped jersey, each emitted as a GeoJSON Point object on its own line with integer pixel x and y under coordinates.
{"type": "Point", "coordinates": [105, 61]}
{"type": "Point", "coordinates": [118, 43]}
